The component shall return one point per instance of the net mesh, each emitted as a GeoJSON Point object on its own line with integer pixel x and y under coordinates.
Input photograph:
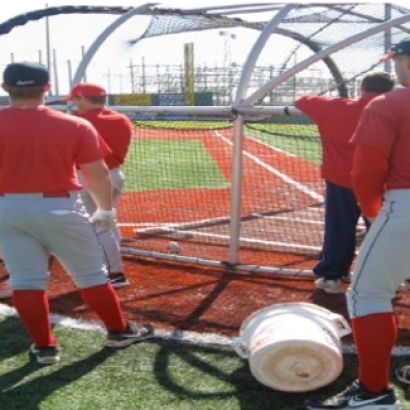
{"type": "Point", "coordinates": [179, 186]}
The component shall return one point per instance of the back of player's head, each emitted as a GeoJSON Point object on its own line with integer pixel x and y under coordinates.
{"type": "Point", "coordinates": [90, 91]}
{"type": "Point", "coordinates": [378, 82]}
{"type": "Point", "coordinates": [25, 75]}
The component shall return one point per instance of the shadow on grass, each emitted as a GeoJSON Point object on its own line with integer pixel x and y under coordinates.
{"type": "Point", "coordinates": [21, 387]}
{"type": "Point", "coordinates": [157, 374]}
{"type": "Point", "coordinates": [209, 373]}
{"type": "Point", "coordinates": [216, 367]}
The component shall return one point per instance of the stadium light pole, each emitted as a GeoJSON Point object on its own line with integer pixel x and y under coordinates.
{"type": "Point", "coordinates": [227, 57]}
{"type": "Point", "coordinates": [227, 49]}
{"type": "Point", "coordinates": [48, 47]}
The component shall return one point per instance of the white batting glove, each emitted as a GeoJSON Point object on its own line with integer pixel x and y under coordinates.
{"type": "Point", "coordinates": [103, 221]}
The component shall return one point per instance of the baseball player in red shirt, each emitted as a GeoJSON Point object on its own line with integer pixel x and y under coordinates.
{"type": "Point", "coordinates": [41, 212]}
{"type": "Point", "coordinates": [336, 119]}
{"type": "Point", "coordinates": [116, 130]}
{"type": "Point", "coordinates": [381, 182]}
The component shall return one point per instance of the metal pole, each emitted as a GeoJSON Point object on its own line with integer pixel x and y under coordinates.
{"type": "Point", "coordinates": [257, 49]}
{"type": "Point", "coordinates": [227, 62]}
{"type": "Point", "coordinates": [387, 37]}
{"type": "Point", "coordinates": [70, 74]}
{"type": "Point", "coordinates": [56, 87]}
{"type": "Point", "coordinates": [109, 80]}
{"type": "Point", "coordinates": [84, 76]}
{"type": "Point", "coordinates": [48, 54]}
{"type": "Point", "coordinates": [143, 74]}
{"type": "Point", "coordinates": [236, 192]}
{"type": "Point", "coordinates": [132, 77]}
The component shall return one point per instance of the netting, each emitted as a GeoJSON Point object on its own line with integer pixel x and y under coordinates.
{"type": "Point", "coordinates": [179, 179]}
{"type": "Point", "coordinates": [182, 173]}
{"type": "Point", "coordinates": [307, 30]}
{"type": "Point", "coordinates": [132, 56]}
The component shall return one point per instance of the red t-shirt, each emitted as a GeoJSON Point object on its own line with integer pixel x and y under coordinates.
{"type": "Point", "coordinates": [381, 160]}
{"type": "Point", "coordinates": [39, 148]}
{"type": "Point", "coordinates": [115, 128]}
{"type": "Point", "coordinates": [104, 149]}
{"type": "Point", "coordinates": [336, 119]}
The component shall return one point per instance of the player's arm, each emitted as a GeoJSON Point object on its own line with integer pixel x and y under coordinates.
{"type": "Point", "coordinates": [98, 183]}
{"type": "Point", "coordinates": [126, 136]}
{"type": "Point", "coordinates": [96, 177]}
{"type": "Point", "coordinates": [368, 178]}
{"type": "Point", "coordinates": [104, 148]}
{"type": "Point", "coordinates": [312, 105]}
{"type": "Point", "coordinates": [373, 140]}
{"type": "Point", "coordinates": [89, 159]}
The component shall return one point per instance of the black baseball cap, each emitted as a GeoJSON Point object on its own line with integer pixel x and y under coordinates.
{"type": "Point", "coordinates": [26, 74]}
{"type": "Point", "coordinates": [401, 48]}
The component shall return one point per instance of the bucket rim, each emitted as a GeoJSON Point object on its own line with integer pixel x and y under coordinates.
{"type": "Point", "coordinates": [278, 305]}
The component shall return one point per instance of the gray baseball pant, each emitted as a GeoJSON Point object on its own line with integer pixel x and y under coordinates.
{"type": "Point", "coordinates": [110, 240]}
{"type": "Point", "coordinates": [32, 227]}
{"type": "Point", "coordinates": [383, 262]}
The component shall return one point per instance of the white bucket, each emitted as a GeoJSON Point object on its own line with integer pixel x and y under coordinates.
{"type": "Point", "coordinates": [293, 347]}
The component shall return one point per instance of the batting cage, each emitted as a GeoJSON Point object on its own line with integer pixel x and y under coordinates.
{"type": "Point", "coordinates": [223, 170]}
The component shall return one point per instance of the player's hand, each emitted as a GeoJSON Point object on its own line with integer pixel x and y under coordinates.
{"type": "Point", "coordinates": [103, 221]}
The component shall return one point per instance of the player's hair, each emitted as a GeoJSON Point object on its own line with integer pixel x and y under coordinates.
{"type": "Point", "coordinates": [99, 99]}
{"type": "Point", "coordinates": [25, 93]}
{"type": "Point", "coordinates": [378, 82]}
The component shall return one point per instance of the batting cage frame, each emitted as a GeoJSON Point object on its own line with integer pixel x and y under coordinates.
{"type": "Point", "coordinates": [244, 234]}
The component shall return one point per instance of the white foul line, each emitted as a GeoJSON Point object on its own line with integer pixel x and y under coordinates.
{"type": "Point", "coordinates": [274, 171]}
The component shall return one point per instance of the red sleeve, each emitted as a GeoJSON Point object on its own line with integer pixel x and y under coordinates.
{"type": "Point", "coordinates": [313, 105]}
{"type": "Point", "coordinates": [104, 148]}
{"type": "Point", "coordinates": [124, 139]}
{"type": "Point", "coordinates": [368, 177]}
{"type": "Point", "coordinates": [89, 149]}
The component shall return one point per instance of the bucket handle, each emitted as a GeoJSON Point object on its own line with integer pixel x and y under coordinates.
{"type": "Point", "coordinates": [238, 344]}
{"type": "Point", "coordinates": [342, 325]}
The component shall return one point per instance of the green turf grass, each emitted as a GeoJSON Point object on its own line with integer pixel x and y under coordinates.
{"type": "Point", "coordinates": [304, 144]}
{"type": "Point", "coordinates": [170, 164]}
{"type": "Point", "coordinates": [151, 375]}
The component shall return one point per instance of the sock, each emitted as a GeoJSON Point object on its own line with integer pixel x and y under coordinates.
{"type": "Point", "coordinates": [33, 309]}
{"type": "Point", "coordinates": [374, 336]}
{"type": "Point", "coordinates": [104, 301]}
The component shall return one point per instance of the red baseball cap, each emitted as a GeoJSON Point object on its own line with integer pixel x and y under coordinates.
{"type": "Point", "coordinates": [86, 90]}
